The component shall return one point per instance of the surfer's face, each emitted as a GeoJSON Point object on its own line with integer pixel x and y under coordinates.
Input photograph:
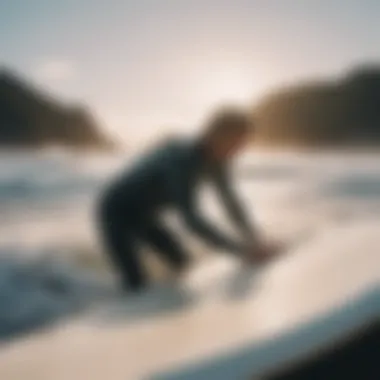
{"type": "Point", "coordinates": [227, 133]}
{"type": "Point", "coordinates": [226, 146]}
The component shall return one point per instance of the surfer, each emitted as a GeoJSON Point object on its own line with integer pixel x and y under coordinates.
{"type": "Point", "coordinates": [168, 178]}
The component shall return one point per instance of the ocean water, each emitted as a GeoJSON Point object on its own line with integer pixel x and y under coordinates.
{"type": "Point", "coordinates": [52, 266]}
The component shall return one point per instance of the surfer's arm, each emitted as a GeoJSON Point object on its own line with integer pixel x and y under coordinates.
{"type": "Point", "coordinates": [182, 193]}
{"type": "Point", "coordinates": [203, 228]}
{"type": "Point", "coordinates": [234, 206]}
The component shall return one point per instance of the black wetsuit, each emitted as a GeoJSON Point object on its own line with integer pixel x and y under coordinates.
{"type": "Point", "coordinates": [166, 178]}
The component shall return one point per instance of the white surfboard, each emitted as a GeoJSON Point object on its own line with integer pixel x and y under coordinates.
{"type": "Point", "coordinates": [225, 323]}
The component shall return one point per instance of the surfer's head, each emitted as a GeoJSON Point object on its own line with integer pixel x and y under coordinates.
{"type": "Point", "coordinates": [227, 132]}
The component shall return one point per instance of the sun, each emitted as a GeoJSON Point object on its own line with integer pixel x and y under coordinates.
{"type": "Point", "coordinates": [222, 85]}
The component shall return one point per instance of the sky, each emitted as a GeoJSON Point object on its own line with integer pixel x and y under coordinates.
{"type": "Point", "coordinates": [147, 66]}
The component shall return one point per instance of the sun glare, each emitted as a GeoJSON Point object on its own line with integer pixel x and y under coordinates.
{"type": "Point", "coordinates": [226, 85]}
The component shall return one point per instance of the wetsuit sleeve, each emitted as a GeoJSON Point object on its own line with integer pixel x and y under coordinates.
{"type": "Point", "coordinates": [233, 205]}
{"type": "Point", "coordinates": [182, 192]}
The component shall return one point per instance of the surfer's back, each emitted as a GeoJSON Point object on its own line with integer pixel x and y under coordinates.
{"type": "Point", "coordinates": [144, 182]}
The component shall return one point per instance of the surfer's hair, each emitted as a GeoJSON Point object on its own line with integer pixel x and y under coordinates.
{"type": "Point", "coordinates": [228, 121]}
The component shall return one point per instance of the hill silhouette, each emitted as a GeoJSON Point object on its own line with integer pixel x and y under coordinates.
{"type": "Point", "coordinates": [29, 118]}
{"type": "Point", "coordinates": [344, 112]}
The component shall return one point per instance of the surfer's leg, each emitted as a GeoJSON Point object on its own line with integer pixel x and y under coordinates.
{"type": "Point", "coordinates": [166, 245]}
{"type": "Point", "coordinates": [122, 249]}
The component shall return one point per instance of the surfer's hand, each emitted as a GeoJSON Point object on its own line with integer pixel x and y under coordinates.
{"type": "Point", "coordinates": [261, 253]}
